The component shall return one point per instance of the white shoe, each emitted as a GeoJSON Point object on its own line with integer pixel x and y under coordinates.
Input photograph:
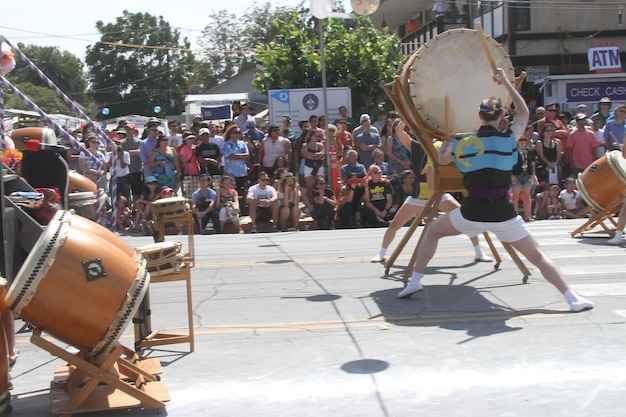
{"type": "Point", "coordinates": [413, 287]}
{"type": "Point", "coordinates": [377, 258]}
{"type": "Point", "coordinates": [580, 305]}
{"type": "Point", "coordinates": [617, 240]}
{"type": "Point", "coordinates": [483, 258]}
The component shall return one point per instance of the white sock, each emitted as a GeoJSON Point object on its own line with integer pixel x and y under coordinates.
{"type": "Point", "coordinates": [618, 234]}
{"type": "Point", "coordinates": [382, 252]}
{"type": "Point", "coordinates": [416, 278]}
{"type": "Point", "coordinates": [479, 251]}
{"type": "Point", "coordinates": [576, 302]}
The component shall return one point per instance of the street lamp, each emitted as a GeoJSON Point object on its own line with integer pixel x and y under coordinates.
{"type": "Point", "coordinates": [321, 9]}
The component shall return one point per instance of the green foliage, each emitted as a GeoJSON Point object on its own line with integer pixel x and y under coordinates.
{"type": "Point", "coordinates": [229, 42]}
{"type": "Point", "coordinates": [64, 69]}
{"type": "Point", "coordinates": [138, 65]}
{"type": "Point", "coordinates": [43, 97]}
{"type": "Point", "coordinates": [357, 56]}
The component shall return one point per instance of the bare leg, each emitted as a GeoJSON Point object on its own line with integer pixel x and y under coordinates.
{"type": "Point", "coordinates": [295, 216]}
{"type": "Point", "coordinates": [405, 213]}
{"type": "Point", "coordinates": [530, 249]}
{"type": "Point", "coordinates": [619, 229]}
{"type": "Point", "coordinates": [437, 229]}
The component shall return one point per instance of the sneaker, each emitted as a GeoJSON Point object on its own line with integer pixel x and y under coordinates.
{"type": "Point", "coordinates": [616, 240]}
{"type": "Point", "coordinates": [580, 305]}
{"type": "Point", "coordinates": [209, 229]}
{"type": "Point", "coordinates": [377, 258]}
{"type": "Point", "coordinates": [483, 258]}
{"type": "Point", "coordinates": [413, 287]}
{"type": "Point", "coordinates": [145, 228]}
{"type": "Point", "coordinates": [253, 230]}
{"type": "Point", "coordinates": [291, 229]}
{"type": "Point", "coordinates": [274, 228]}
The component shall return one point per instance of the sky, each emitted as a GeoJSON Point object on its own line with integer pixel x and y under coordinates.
{"type": "Point", "coordinates": [70, 24]}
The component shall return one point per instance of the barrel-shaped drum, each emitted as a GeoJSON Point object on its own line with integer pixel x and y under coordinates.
{"type": "Point", "coordinates": [81, 184]}
{"type": "Point", "coordinates": [83, 204]}
{"type": "Point", "coordinates": [170, 207]}
{"type": "Point", "coordinates": [22, 135]}
{"type": "Point", "coordinates": [7, 351]}
{"type": "Point", "coordinates": [434, 72]}
{"type": "Point", "coordinates": [78, 286]}
{"type": "Point", "coordinates": [603, 183]}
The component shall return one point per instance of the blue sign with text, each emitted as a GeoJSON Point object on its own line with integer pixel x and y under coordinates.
{"type": "Point", "coordinates": [590, 92]}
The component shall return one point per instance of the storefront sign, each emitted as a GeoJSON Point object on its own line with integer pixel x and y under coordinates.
{"type": "Point", "coordinates": [604, 58]}
{"type": "Point", "coordinates": [593, 92]}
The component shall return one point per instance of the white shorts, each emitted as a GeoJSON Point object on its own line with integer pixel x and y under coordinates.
{"type": "Point", "coordinates": [308, 171]}
{"type": "Point", "coordinates": [223, 218]}
{"type": "Point", "coordinates": [508, 231]}
{"type": "Point", "coordinates": [421, 202]}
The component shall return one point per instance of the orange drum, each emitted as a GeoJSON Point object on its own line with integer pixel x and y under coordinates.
{"type": "Point", "coordinates": [433, 72]}
{"type": "Point", "coordinates": [23, 135]}
{"type": "Point", "coordinates": [89, 226]}
{"type": "Point", "coordinates": [79, 286]}
{"type": "Point", "coordinates": [83, 204]}
{"type": "Point", "coordinates": [603, 183]}
{"type": "Point", "coordinates": [7, 347]}
{"type": "Point", "coordinates": [80, 183]}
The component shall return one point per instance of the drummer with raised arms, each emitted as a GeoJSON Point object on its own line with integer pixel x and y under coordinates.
{"type": "Point", "coordinates": [419, 196]}
{"type": "Point", "coordinates": [485, 159]}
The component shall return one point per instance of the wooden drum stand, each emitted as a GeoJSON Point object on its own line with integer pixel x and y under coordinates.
{"type": "Point", "coordinates": [145, 337]}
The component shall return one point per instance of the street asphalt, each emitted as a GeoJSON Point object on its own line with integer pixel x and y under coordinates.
{"type": "Point", "coordinates": [301, 324]}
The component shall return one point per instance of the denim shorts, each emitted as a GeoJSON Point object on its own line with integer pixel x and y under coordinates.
{"type": "Point", "coordinates": [523, 181]}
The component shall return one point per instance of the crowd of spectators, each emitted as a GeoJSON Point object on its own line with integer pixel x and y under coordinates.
{"type": "Point", "coordinates": [238, 169]}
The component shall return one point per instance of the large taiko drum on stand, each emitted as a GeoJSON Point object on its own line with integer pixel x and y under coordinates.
{"type": "Point", "coordinates": [603, 183]}
{"type": "Point", "coordinates": [80, 287]}
{"type": "Point", "coordinates": [453, 64]}
{"type": "Point", "coordinates": [81, 184]}
{"type": "Point", "coordinates": [7, 351]}
{"type": "Point", "coordinates": [22, 135]}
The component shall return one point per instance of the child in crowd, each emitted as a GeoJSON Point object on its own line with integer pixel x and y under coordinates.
{"type": "Point", "coordinates": [203, 205]}
{"type": "Point", "coordinates": [288, 202]}
{"type": "Point", "coordinates": [549, 204]}
{"type": "Point", "coordinates": [573, 207]}
{"type": "Point", "coordinates": [229, 204]}
{"type": "Point", "coordinates": [144, 205]}
{"type": "Point", "coordinates": [124, 220]}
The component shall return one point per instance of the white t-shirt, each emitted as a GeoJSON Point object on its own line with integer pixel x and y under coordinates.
{"type": "Point", "coordinates": [441, 7]}
{"type": "Point", "coordinates": [119, 171]}
{"type": "Point", "coordinates": [262, 194]}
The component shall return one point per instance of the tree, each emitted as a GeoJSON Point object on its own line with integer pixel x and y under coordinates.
{"type": "Point", "coordinates": [44, 97]}
{"type": "Point", "coordinates": [139, 64]}
{"type": "Point", "coordinates": [63, 68]}
{"type": "Point", "coordinates": [229, 42]}
{"type": "Point", "coordinates": [357, 56]}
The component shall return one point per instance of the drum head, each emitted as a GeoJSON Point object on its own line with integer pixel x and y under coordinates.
{"type": "Point", "coordinates": [618, 164]}
{"type": "Point", "coordinates": [454, 64]}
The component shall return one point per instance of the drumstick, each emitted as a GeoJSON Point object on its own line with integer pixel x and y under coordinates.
{"type": "Point", "coordinates": [483, 39]}
{"type": "Point", "coordinates": [446, 118]}
{"type": "Point", "coordinates": [519, 80]}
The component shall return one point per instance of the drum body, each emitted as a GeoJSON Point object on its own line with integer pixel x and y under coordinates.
{"type": "Point", "coordinates": [81, 184]}
{"type": "Point", "coordinates": [453, 64]}
{"type": "Point", "coordinates": [170, 207]}
{"type": "Point", "coordinates": [603, 183]}
{"type": "Point", "coordinates": [79, 287]}
{"type": "Point", "coordinates": [7, 350]}
{"type": "Point", "coordinates": [23, 135]}
{"type": "Point", "coordinates": [163, 257]}
{"type": "Point", "coordinates": [84, 204]}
